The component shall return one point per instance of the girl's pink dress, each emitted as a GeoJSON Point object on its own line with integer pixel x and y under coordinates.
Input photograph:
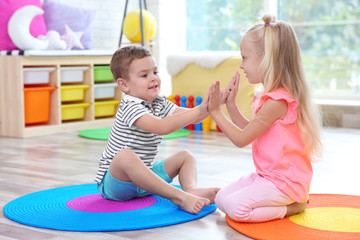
{"type": "Point", "coordinates": [279, 155]}
{"type": "Point", "coordinates": [283, 171]}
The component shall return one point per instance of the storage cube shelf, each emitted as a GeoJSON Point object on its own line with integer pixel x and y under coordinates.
{"type": "Point", "coordinates": [42, 95]}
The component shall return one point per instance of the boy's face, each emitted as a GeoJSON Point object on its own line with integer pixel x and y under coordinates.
{"type": "Point", "coordinates": [143, 80]}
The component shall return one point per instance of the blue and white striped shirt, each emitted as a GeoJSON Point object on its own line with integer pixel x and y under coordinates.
{"type": "Point", "coordinates": [124, 134]}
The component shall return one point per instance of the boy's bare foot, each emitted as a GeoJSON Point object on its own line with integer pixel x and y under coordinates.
{"type": "Point", "coordinates": [295, 208]}
{"type": "Point", "coordinates": [208, 193]}
{"type": "Point", "coordinates": [191, 203]}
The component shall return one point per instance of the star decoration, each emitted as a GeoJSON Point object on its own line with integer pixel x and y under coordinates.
{"type": "Point", "coordinates": [72, 38]}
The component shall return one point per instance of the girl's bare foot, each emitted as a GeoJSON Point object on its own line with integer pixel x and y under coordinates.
{"type": "Point", "coordinates": [208, 193]}
{"type": "Point", "coordinates": [295, 208]}
{"type": "Point", "coordinates": [191, 203]}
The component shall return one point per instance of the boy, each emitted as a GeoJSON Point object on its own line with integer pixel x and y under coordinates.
{"type": "Point", "coordinates": [127, 168]}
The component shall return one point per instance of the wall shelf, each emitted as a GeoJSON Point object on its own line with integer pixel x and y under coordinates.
{"type": "Point", "coordinates": [12, 107]}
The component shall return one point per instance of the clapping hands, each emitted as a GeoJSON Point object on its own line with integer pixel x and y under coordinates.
{"type": "Point", "coordinates": [216, 97]}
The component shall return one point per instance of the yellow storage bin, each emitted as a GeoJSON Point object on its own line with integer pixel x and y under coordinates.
{"type": "Point", "coordinates": [106, 108]}
{"type": "Point", "coordinates": [73, 111]}
{"type": "Point", "coordinates": [73, 92]}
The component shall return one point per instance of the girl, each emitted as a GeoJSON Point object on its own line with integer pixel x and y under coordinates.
{"type": "Point", "coordinates": [285, 131]}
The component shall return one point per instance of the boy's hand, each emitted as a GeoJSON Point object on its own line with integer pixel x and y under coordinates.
{"type": "Point", "coordinates": [215, 97]}
{"type": "Point", "coordinates": [204, 104]}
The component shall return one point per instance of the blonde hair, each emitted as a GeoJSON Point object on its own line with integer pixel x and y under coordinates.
{"type": "Point", "coordinates": [281, 67]}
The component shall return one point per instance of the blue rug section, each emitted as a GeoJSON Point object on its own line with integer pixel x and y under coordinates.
{"type": "Point", "coordinates": [47, 209]}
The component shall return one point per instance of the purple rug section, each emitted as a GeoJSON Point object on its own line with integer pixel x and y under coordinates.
{"type": "Point", "coordinates": [96, 203]}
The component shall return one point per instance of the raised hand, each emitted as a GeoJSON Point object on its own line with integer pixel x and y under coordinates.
{"type": "Point", "coordinates": [233, 87]}
{"type": "Point", "coordinates": [204, 103]}
{"type": "Point", "coordinates": [225, 94]}
{"type": "Point", "coordinates": [215, 97]}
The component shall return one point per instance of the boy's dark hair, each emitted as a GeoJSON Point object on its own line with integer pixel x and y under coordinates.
{"type": "Point", "coordinates": [123, 57]}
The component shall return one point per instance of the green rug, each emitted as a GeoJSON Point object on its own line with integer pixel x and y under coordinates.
{"type": "Point", "coordinates": [103, 133]}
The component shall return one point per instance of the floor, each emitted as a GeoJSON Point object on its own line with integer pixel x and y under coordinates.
{"type": "Point", "coordinates": [39, 163]}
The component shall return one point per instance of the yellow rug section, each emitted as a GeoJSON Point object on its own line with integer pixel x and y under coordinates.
{"type": "Point", "coordinates": [338, 219]}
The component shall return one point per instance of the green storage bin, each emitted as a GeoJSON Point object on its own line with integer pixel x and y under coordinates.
{"type": "Point", "coordinates": [102, 74]}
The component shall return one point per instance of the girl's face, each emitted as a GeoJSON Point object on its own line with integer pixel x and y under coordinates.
{"type": "Point", "coordinates": [143, 81]}
{"type": "Point", "coordinates": [250, 61]}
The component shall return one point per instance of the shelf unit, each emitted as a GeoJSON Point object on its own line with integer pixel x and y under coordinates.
{"type": "Point", "coordinates": [12, 116]}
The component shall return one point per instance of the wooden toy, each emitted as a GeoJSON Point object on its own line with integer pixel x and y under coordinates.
{"type": "Point", "coordinates": [171, 98]}
{"type": "Point", "coordinates": [190, 105]}
{"type": "Point", "coordinates": [183, 103]}
{"type": "Point", "coordinates": [177, 100]}
{"type": "Point", "coordinates": [206, 124]}
{"type": "Point", "coordinates": [198, 126]}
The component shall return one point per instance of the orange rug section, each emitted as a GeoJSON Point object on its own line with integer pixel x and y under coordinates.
{"type": "Point", "coordinates": [286, 228]}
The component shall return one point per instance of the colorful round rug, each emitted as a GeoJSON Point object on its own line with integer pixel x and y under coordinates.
{"type": "Point", "coordinates": [82, 208]}
{"type": "Point", "coordinates": [103, 133]}
{"type": "Point", "coordinates": [328, 216]}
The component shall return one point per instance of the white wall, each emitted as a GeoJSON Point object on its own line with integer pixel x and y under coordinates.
{"type": "Point", "coordinates": [169, 38]}
{"type": "Point", "coordinates": [108, 18]}
{"type": "Point", "coordinates": [171, 35]}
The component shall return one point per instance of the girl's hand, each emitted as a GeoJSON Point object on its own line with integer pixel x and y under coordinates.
{"type": "Point", "coordinates": [215, 97]}
{"type": "Point", "coordinates": [233, 88]}
{"type": "Point", "coordinates": [226, 93]}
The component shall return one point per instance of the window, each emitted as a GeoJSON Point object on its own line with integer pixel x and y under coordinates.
{"type": "Point", "coordinates": [216, 25]}
{"type": "Point", "coordinates": [328, 33]}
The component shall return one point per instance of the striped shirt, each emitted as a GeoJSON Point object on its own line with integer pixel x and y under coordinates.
{"type": "Point", "coordinates": [124, 134]}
